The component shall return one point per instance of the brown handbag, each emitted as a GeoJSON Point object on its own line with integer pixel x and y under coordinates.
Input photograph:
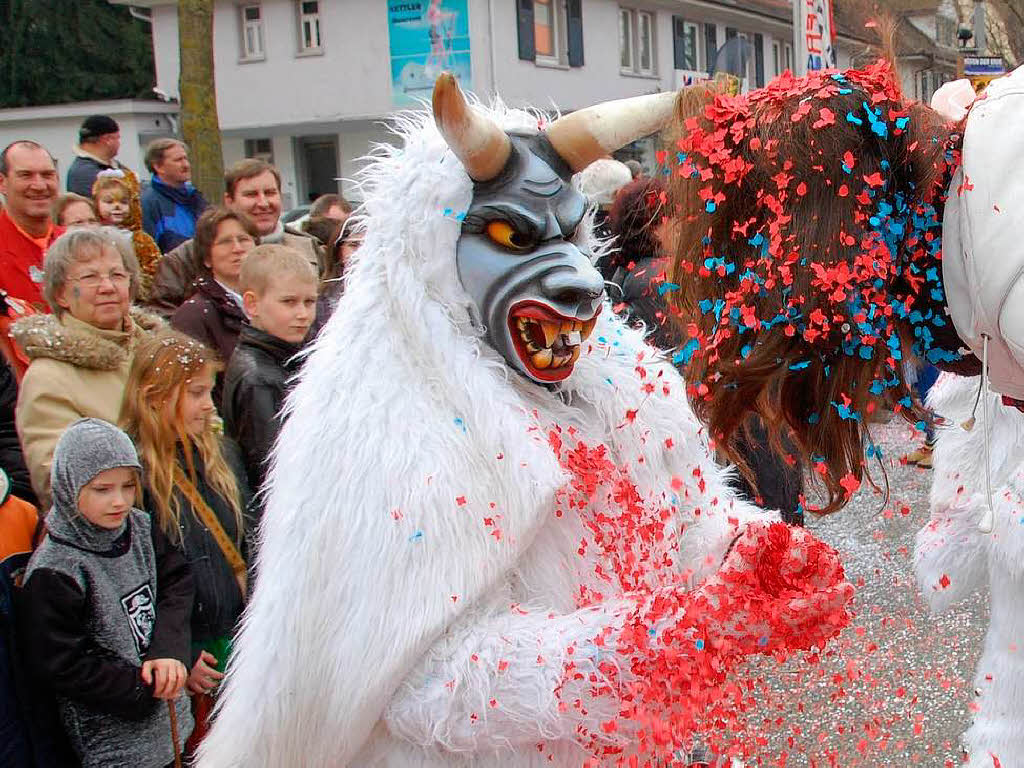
{"type": "Point", "coordinates": [209, 519]}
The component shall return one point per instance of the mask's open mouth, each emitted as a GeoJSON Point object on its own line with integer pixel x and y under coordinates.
{"type": "Point", "coordinates": [547, 342]}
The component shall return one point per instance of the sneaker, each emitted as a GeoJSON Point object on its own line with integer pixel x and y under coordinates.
{"type": "Point", "coordinates": [922, 456]}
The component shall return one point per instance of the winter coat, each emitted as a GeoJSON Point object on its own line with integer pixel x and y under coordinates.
{"type": "Point", "coordinates": [21, 262]}
{"type": "Point", "coordinates": [98, 603]}
{"type": "Point", "coordinates": [77, 370]}
{"type": "Point", "coordinates": [180, 267]}
{"type": "Point", "coordinates": [12, 460]}
{"type": "Point", "coordinates": [86, 167]}
{"type": "Point", "coordinates": [218, 602]}
{"type": "Point", "coordinates": [211, 316]}
{"type": "Point", "coordinates": [82, 644]}
{"type": "Point", "coordinates": [255, 385]}
{"type": "Point", "coordinates": [169, 214]}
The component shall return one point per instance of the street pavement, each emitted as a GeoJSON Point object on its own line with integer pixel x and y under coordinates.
{"type": "Point", "coordinates": [896, 687]}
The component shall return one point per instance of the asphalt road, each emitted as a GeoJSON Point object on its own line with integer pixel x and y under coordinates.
{"type": "Point", "coordinates": [895, 688]}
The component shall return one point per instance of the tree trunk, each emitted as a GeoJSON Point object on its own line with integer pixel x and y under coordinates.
{"type": "Point", "coordinates": [199, 124]}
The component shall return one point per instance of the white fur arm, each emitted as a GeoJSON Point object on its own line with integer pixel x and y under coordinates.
{"type": "Point", "coordinates": [711, 530]}
{"type": "Point", "coordinates": [949, 554]}
{"type": "Point", "coordinates": [502, 681]}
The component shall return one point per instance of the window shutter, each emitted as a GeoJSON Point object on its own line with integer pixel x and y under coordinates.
{"type": "Point", "coordinates": [711, 46]}
{"type": "Point", "coordinates": [758, 60]}
{"type": "Point", "coordinates": [679, 42]}
{"type": "Point", "coordinates": [524, 13]}
{"type": "Point", "coordinates": [574, 12]}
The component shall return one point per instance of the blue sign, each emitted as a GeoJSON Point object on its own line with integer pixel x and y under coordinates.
{"type": "Point", "coordinates": [427, 37]}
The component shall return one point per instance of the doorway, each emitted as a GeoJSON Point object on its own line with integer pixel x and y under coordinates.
{"type": "Point", "coordinates": [319, 158]}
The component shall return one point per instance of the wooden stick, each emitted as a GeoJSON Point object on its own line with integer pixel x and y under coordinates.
{"type": "Point", "coordinates": [174, 732]}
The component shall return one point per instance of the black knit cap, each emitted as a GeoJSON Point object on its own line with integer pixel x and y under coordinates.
{"type": "Point", "coordinates": [97, 125]}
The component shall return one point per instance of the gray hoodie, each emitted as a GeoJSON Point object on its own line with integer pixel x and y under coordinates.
{"type": "Point", "coordinates": [100, 602]}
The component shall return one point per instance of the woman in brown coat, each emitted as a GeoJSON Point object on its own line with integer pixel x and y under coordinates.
{"type": "Point", "coordinates": [80, 355]}
{"type": "Point", "coordinates": [213, 314]}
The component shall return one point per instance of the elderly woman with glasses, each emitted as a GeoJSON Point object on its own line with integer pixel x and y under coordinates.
{"type": "Point", "coordinates": [80, 355]}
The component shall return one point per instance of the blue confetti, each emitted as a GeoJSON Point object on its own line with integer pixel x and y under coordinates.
{"type": "Point", "coordinates": [666, 287]}
{"type": "Point", "coordinates": [416, 536]}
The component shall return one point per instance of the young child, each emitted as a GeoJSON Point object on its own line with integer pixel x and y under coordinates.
{"type": "Point", "coordinates": [117, 205]}
{"type": "Point", "coordinates": [278, 287]}
{"type": "Point", "coordinates": [194, 485]}
{"type": "Point", "coordinates": [106, 605]}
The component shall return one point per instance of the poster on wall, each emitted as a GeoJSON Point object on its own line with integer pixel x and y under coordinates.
{"type": "Point", "coordinates": [427, 37]}
{"type": "Point", "coordinates": [814, 36]}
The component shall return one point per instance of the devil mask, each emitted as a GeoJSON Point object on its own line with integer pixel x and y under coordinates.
{"type": "Point", "coordinates": [533, 286]}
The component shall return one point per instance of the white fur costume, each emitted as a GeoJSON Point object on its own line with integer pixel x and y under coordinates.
{"type": "Point", "coordinates": [392, 624]}
{"type": "Point", "coordinates": [954, 559]}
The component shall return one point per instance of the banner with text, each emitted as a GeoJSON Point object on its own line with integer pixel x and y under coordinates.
{"type": "Point", "coordinates": [427, 37]}
{"type": "Point", "coordinates": [813, 36]}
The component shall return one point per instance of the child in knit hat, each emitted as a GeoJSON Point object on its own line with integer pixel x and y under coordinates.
{"type": "Point", "coordinates": [106, 612]}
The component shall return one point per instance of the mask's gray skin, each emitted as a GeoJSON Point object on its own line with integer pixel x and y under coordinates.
{"type": "Point", "coordinates": [537, 293]}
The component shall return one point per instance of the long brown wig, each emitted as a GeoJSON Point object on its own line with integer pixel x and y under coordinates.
{"type": "Point", "coordinates": [807, 260]}
{"type": "Point", "coordinates": [161, 369]}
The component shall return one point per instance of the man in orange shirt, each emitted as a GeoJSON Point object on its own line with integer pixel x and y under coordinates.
{"type": "Point", "coordinates": [28, 182]}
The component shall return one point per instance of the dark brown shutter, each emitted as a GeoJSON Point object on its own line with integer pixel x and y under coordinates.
{"type": "Point", "coordinates": [679, 42]}
{"type": "Point", "coordinates": [758, 60]}
{"type": "Point", "coordinates": [524, 14]}
{"type": "Point", "coordinates": [710, 46]}
{"type": "Point", "coordinates": [574, 11]}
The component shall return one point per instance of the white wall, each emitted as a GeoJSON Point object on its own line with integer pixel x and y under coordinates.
{"type": "Point", "coordinates": [56, 128]}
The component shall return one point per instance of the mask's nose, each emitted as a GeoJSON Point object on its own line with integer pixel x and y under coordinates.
{"type": "Point", "coordinates": [579, 287]}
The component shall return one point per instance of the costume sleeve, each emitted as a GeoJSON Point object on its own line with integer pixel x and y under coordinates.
{"type": "Point", "coordinates": [54, 625]}
{"type": "Point", "coordinates": [46, 407]}
{"type": "Point", "coordinates": [521, 677]}
{"type": "Point", "coordinates": [949, 554]}
{"type": "Point", "coordinates": [171, 638]}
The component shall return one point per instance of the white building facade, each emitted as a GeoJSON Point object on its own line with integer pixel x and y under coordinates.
{"type": "Point", "coordinates": [306, 84]}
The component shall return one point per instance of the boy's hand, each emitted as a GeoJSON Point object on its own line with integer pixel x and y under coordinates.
{"type": "Point", "coordinates": [204, 677]}
{"type": "Point", "coordinates": [167, 676]}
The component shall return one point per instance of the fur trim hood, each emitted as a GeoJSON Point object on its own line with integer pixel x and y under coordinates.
{"type": "Point", "coordinates": [45, 336]}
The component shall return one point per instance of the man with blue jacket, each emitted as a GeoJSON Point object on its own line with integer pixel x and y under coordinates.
{"type": "Point", "coordinates": [171, 205]}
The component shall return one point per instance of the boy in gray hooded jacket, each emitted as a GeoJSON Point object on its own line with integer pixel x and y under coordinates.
{"type": "Point", "coordinates": [107, 602]}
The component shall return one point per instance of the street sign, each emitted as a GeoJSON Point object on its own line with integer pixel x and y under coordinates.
{"type": "Point", "coordinates": [982, 70]}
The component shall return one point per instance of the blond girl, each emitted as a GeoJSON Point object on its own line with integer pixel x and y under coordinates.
{"type": "Point", "coordinates": [117, 205]}
{"type": "Point", "coordinates": [195, 488]}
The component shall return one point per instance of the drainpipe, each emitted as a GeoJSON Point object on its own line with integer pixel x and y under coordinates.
{"type": "Point", "coordinates": [980, 30]}
{"type": "Point", "coordinates": [490, 35]}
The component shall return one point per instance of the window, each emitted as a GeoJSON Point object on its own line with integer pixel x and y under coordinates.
{"type": "Point", "coordinates": [260, 149]}
{"type": "Point", "coordinates": [625, 38]}
{"type": "Point", "coordinates": [309, 27]}
{"type": "Point", "coordinates": [758, 60]}
{"type": "Point", "coordinates": [684, 44]}
{"type": "Point", "coordinates": [636, 41]}
{"type": "Point", "coordinates": [252, 32]}
{"type": "Point", "coordinates": [645, 42]}
{"type": "Point", "coordinates": [945, 30]}
{"type": "Point", "coordinates": [545, 29]}
{"type": "Point", "coordinates": [776, 58]}
{"type": "Point", "coordinates": [787, 53]}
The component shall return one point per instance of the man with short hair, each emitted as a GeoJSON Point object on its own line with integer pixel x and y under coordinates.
{"type": "Point", "coordinates": [171, 205]}
{"type": "Point", "coordinates": [28, 182]}
{"type": "Point", "coordinates": [99, 141]}
{"type": "Point", "coordinates": [253, 188]}
{"type": "Point", "coordinates": [331, 207]}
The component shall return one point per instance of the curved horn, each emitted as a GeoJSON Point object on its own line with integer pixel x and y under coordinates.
{"type": "Point", "coordinates": [583, 136]}
{"type": "Point", "coordinates": [478, 142]}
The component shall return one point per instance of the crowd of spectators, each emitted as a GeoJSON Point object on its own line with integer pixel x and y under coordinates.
{"type": "Point", "coordinates": [147, 342]}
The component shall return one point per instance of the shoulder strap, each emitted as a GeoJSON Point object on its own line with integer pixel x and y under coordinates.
{"type": "Point", "coordinates": [209, 519]}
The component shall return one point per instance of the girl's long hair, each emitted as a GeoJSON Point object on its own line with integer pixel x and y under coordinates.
{"type": "Point", "coordinates": [162, 367]}
{"type": "Point", "coordinates": [807, 261]}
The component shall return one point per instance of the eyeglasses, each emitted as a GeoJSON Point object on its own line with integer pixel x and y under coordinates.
{"type": "Point", "coordinates": [93, 280]}
{"type": "Point", "coordinates": [233, 239]}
